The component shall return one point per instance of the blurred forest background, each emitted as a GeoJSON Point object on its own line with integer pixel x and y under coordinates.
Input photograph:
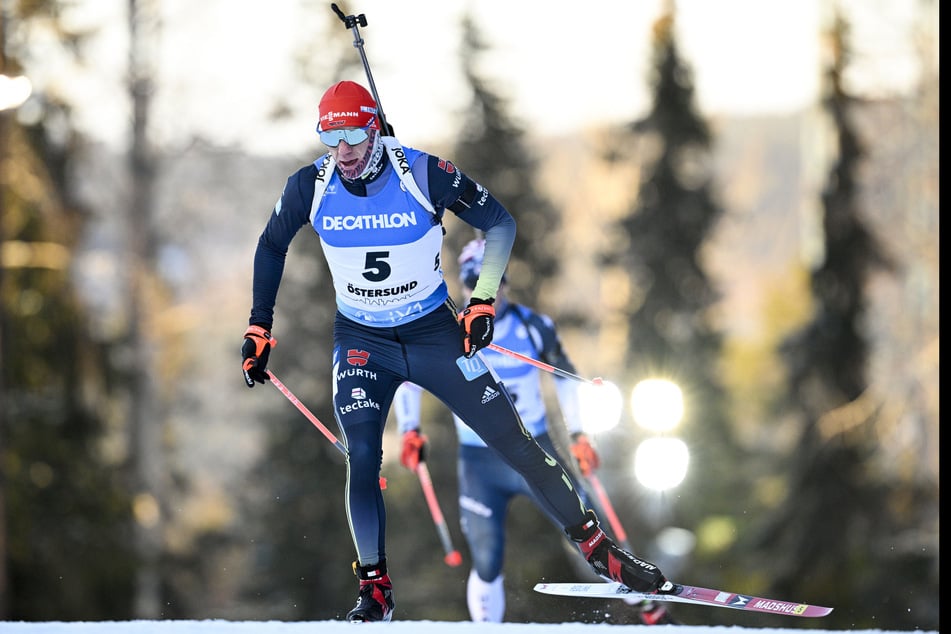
{"type": "Point", "coordinates": [783, 270]}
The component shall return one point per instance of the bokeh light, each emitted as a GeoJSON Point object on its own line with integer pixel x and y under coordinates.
{"type": "Point", "coordinates": [14, 91]}
{"type": "Point", "coordinates": [601, 405]}
{"type": "Point", "coordinates": [661, 463]}
{"type": "Point", "coordinates": [657, 404]}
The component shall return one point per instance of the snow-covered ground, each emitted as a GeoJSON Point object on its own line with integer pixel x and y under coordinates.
{"type": "Point", "coordinates": [342, 627]}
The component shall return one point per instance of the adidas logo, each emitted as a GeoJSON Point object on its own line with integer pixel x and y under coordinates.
{"type": "Point", "coordinates": [489, 394]}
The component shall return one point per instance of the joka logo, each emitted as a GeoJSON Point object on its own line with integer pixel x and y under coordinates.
{"type": "Point", "coordinates": [358, 393]}
{"type": "Point", "coordinates": [489, 394]}
{"type": "Point", "coordinates": [357, 357]}
{"type": "Point", "coordinates": [446, 166]}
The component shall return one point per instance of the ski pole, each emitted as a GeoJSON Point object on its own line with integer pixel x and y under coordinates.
{"type": "Point", "coordinates": [307, 413]}
{"type": "Point", "coordinates": [595, 482]}
{"type": "Point", "coordinates": [544, 366]}
{"type": "Point", "coordinates": [613, 520]}
{"type": "Point", "coordinates": [353, 22]}
{"type": "Point", "coordinates": [452, 558]}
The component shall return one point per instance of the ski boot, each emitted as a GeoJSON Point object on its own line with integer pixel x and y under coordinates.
{"type": "Point", "coordinates": [655, 613]}
{"type": "Point", "coordinates": [614, 563]}
{"type": "Point", "coordinates": [375, 602]}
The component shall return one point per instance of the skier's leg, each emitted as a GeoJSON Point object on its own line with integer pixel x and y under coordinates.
{"type": "Point", "coordinates": [363, 388]}
{"type": "Point", "coordinates": [484, 494]}
{"type": "Point", "coordinates": [486, 599]}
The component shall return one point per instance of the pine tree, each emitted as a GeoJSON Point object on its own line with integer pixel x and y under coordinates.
{"type": "Point", "coordinates": [64, 508]}
{"type": "Point", "coordinates": [840, 518]}
{"type": "Point", "coordinates": [658, 245]}
{"type": "Point", "coordinates": [493, 151]}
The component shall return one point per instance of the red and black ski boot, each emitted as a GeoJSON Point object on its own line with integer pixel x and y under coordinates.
{"type": "Point", "coordinates": [655, 613]}
{"type": "Point", "coordinates": [375, 602]}
{"type": "Point", "coordinates": [613, 562]}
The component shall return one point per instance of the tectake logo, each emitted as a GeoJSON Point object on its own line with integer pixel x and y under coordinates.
{"type": "Point", "coordinates": [358, 393]}
{"type": "Point", "coordinates": [485, 194]}
{"type": "Point", "coordinates": [357, 357]}
{"type": "Point", "coordinates": [364, 403]}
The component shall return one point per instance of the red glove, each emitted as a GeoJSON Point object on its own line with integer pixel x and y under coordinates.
{"type": "Point", "coordinates": [414, 449]}
{"type": "Point", "coordinates": [478, 321]}
{"type": "Point", "coordinates": [584, 453]}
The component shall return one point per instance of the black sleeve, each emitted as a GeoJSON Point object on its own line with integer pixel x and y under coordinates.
{"type": "Point", "coordinates": [290, 213]}
{"type": "Point", "coordinates": [450, 188]}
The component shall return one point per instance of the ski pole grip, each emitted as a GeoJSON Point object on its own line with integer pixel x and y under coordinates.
{"type": "Point", "coordinates": [350, 21]}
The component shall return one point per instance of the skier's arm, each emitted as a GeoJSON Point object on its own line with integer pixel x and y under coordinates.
{"type": "Point", "coordinates": [268, 271]}
{"type": "Point", "coordinates": [449, 188]}
{"type": "Point", "coordinates": [553, 353]}
{"type": "Point", "coordinates": [499, 239]}
{"type": "Point", "coordinates": [406, 405]}
{"type": "Point", "coordinates": [290, 213]}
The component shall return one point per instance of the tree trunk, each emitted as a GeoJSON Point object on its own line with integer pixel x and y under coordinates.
{"type": "Point", "coordinates": [146, 421]}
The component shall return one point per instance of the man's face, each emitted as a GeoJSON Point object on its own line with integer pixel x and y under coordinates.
{"type": "Point", "coordinates": [351, 156]}
{"type": "Point", "coordinates": [348, 156]}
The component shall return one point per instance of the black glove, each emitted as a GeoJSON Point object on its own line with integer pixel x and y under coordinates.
{"type": "Point", "coordinates": [478, 324]}
{"type": "Point", "coordinates": [254, 352]}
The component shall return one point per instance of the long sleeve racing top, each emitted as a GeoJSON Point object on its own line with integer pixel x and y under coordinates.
{"type": "Point", "coordinates": [382, 246]}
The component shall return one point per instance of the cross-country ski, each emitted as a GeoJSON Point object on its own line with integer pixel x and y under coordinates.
{"type": "Point", "coordinates": [686, 594]}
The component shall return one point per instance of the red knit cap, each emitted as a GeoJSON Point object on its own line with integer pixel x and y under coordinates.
{"type": "Point", "coordinates": [347, 104]}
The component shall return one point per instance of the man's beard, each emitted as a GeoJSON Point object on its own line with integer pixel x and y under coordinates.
{"type": "Point", "coordinates": [371, 161]}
